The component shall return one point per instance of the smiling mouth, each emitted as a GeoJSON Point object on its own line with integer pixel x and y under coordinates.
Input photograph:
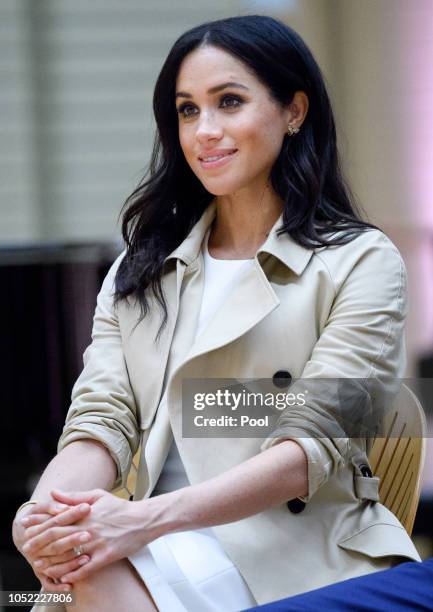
{"type": "Point", "coordinates": [214, 158]}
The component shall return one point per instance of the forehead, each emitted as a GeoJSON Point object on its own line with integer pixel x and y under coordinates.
{"type": "Point", "coordinates": [206, 66]}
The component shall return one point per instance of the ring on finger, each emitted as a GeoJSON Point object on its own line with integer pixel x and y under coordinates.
{"type": "Point", "coordinates": [78, 550]}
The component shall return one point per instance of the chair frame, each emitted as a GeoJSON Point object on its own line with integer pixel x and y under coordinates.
{"type": "Point", "coordinates": [398, 458]}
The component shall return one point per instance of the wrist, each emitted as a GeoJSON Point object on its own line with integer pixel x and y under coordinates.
{"type": "Point", "coordinates": [163, 514]}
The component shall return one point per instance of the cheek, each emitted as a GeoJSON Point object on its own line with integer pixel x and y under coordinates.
{"type": "Point", "coordinates": [186, 144]}
{"type": "Point", "coordinates": [264, 133]}
{"type": "Point", "coordinates": [262, 146]}
{"type": "Point", "coordinates": [273, 132]}
{"type": "Point", "coordinates": [275, 142]}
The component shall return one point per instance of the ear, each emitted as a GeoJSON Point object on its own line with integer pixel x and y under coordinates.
{"type": "Point", "coordinates": [297, 109]}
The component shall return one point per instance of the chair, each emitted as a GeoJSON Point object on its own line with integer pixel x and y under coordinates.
{"type": "Point", "coordinates": [398, 458]}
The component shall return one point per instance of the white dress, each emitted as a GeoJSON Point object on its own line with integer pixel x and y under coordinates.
{"type": "Point", "coordinates": [189, 571]}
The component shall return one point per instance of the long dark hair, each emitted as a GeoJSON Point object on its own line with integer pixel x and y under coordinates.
{"type": "Point", "coordinates": [307, 176]}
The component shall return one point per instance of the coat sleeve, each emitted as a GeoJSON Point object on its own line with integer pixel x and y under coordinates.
{"type": "Point", "coordinates": [362, 343]}
{"type": "Point", "coordinates": [103, 407]}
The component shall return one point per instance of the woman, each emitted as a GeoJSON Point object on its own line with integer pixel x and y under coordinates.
{"type": "Point", "coordinates": [245, 258]}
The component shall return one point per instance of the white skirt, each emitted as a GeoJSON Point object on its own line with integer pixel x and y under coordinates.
{"type": "Point", "coordinates": [189, 571]}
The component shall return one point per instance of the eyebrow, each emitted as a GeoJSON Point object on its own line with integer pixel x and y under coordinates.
{"type": "Point", "coordinates": [212, 90]}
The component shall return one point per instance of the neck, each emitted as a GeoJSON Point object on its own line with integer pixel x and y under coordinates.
{"type": "Point", "coordinates": [243, 222]}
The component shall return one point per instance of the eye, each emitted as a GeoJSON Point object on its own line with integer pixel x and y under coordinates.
{"type": "Point", "coordinates": [235, 101]}
{"type": "Point", "coordinates": [183, 110]}
{"type": "Point", "coordinates": [228, 101]}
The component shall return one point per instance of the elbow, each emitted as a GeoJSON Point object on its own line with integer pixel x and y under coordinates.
{"type": "Point", "coordinates": [301, 474]}
{"type": "Point", "coordinates": [296, 458]}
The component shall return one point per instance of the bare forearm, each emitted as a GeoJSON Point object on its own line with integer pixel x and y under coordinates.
{"type": "Point", "coordinates": [270, 478]}
{"type": "Point", "coordinates": [83, 464]}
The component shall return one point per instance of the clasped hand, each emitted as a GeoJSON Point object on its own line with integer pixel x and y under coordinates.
{"type": "Point", "coordinates": [107, 528]}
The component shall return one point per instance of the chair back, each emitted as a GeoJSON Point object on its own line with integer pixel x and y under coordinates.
{"type": "Point", "coordinates": [398, 457]}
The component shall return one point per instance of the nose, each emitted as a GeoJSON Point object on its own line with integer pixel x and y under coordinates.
{"type": "Point", "coordinates": [208, 128]}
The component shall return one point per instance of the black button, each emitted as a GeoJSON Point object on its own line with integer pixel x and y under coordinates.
{"type": "Point", "coordinates": [296, 505]}
{"type": "Point", "coordinates": [282, 379]}
{"type": "Point", "coordinates": [365, 471]}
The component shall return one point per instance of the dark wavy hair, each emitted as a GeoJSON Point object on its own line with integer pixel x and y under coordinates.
{"type": "Point", "coordinates": [307, 176]}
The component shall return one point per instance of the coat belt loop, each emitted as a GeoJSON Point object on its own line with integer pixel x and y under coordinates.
{"type": "Point", "coordinates": [367, 487]}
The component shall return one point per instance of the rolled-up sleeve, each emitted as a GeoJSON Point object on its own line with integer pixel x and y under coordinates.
{"type": "Point", "coordinates": [362, 342]}
{"type": "Point", "coordinates": [102, 406]}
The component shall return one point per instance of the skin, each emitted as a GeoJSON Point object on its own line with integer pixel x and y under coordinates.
{"type": "Point", "coordinates": [69, 468]}
{"type": "Point", "coordinates": [247, 207]}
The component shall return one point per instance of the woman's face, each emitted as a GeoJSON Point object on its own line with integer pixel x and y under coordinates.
{"type": "Point", "coordinates": [230, 129]}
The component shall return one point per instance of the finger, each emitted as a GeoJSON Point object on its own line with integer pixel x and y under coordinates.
{"type": "Point", "coordinates": [65, 544]}
{"type": "Point", "coordinates": [72, 515]}
{"type": "Point", "coordinates": [34, 519]}
{"type": "Point", "coordinates": [98, 560]}
{"type": "Point", "coordinates": [48, 507]}
{"type": "Point", "coordinates": [50, 585]}
{"type": "Point", "coordinates": [60, 569]}
{"type": "Point", "coordinates": [35, 544]}
{"type": "Point", "coordinates": [55, 507]}
{"type": "Point", "coordinates": [42, 563]}
{"type": "Point", "coordinates": [77, 497]}
{"type": "Point", "coordinates": [68, 517]}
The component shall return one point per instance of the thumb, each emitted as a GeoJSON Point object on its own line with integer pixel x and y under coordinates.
{"type": "Point", "coordinates": [77, 497]}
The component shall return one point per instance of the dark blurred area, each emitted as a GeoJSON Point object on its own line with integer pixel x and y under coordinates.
{"type": "Point", "coordinates": [49, 299]}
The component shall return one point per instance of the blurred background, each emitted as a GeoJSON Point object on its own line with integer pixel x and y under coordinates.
{"type": "Point", "coordinates": [76, 130]}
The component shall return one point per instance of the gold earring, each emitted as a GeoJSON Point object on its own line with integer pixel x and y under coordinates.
{"type": "Point", "coordinates": [292, 130]}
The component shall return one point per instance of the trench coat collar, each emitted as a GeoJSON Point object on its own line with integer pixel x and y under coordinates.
{"type": "Point", "coordinates": [284, 248]}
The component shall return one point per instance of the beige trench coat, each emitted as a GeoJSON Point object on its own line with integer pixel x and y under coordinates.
{"type": "Point", "coordinates": [333, 312]}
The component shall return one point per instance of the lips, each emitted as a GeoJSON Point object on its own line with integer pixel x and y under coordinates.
{"type": "Point", "coordinates": [215, 154]}
{"type": "Point", "coordinates": [215, 159]}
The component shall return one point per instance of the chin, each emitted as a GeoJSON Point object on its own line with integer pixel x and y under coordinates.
{"type": "Point", "coordinates": [222, 188]}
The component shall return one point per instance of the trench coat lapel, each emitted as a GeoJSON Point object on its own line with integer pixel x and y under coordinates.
{"type": "Point", "coordinates": [253, 297]}
{"type": "Point", "coordinates": [249, 301]}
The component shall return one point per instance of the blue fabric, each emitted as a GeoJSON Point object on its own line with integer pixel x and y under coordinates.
{"type": "Point", "coordinates": [406, 587]}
